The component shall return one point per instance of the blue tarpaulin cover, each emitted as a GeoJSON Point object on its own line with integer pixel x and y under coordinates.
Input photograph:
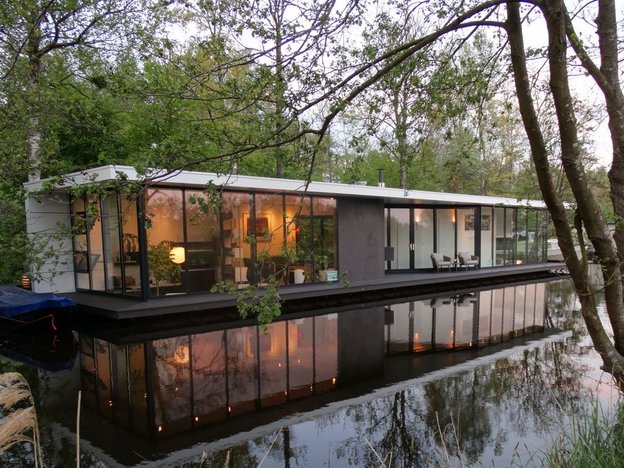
{"type": "Point", "coordinates": [15, 301]}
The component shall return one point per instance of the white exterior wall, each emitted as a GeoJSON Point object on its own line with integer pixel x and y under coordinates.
{"type": "Point", "coordinates": [43, 218]}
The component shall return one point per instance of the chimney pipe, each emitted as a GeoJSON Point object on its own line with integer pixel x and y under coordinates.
{"type": "Point", "coordinates": [380, 178]}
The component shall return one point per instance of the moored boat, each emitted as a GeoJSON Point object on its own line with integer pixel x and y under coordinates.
{"type": "Point", "coordinates": [20, 308]}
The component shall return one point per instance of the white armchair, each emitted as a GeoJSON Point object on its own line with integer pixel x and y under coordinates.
{"type": "Point", "coordinates": [467, 260]}
{"type": "Point", "coordinates": [440, 261]}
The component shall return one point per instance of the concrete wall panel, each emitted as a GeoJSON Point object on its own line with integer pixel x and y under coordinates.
{"type": "Point", "coordinates": [361, 238]}
{"type": "Point", "coordinates": [46, 219]}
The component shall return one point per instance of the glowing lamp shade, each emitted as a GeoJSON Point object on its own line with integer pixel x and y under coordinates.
{"type": "Point", "coordinates": [177, 255]}
{"type": "Point", "coordinates": [182, 355]}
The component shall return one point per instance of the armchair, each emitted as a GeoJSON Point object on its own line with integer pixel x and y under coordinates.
{"type": "Point", "coordinates": [468, 260]}
{"type": "Point", "coordinates": [440, 261]}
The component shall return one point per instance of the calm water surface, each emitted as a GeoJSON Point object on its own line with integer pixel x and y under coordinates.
{"type": "Point", "coordinates": [488, 377]}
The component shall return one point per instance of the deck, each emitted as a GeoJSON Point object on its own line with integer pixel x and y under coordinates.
{"type": "Point", "coordinates": [318, 296]}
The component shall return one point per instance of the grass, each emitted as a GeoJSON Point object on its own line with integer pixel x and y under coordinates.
{"type": "Point", "coordinates": [595, 440]}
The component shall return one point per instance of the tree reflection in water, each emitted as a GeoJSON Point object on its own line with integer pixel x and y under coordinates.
{"type": "Point", "coordinates": [230, 390]}
{"type": "Point", "coordinates": [502, 412]}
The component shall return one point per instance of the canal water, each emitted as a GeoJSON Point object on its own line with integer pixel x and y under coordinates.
{"type": "Point", "coordinates": [487, 377]}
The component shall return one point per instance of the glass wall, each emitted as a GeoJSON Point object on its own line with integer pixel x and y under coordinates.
{"type": "Point", "coordinates": [466, 230]}
{"type": "Point", "coordinates": [501, 240]}
{"type": "Point", "coordinates": [524, 235]}
{"type": "Point", "coordinates": [423, 237]}
{"type": "Point", "coordinates": [510, 234]}
{"type": "Point", "coordinates": [111, 239]}
{"type": "Point", "coordinates": [487, 244]}
{"type": "Point", "coordinates": [129, 256]}
{"type": "Point", "coordinates": [96, 247]}
{"type": "Point", "coordinates": [106, 244]}
{"type": "Point", "coordinates": [203, 256]}
{"type": "Point", "coordinates": [324, 240]}
{"type": "Point", "coordinates": [235, 209]}
{"type": "Point", "coordinates": [400, 237]}
{"type": "Point", "coordinates": [80, 227]}
{"type": "Point", "coordinates": [165, 232]}
{"type": "Point", "coordinates": [446, 231]}
{"type": "Point", "coordinates": [195, 240]}
{"type": "Point", "coordinates": [268, 229]}
{"type": "Point", "coordinates": [504, 236]}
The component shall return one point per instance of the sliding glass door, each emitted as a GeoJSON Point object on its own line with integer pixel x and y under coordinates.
{"type": "Point", "coordinates": [400, 237]}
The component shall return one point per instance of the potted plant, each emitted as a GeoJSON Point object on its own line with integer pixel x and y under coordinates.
{"type": "Point", "coordinates": [324, 261]}
{"type": "Point", "coordinates": [161, 268]}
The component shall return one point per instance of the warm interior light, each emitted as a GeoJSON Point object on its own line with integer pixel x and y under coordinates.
{"type": "Point", "coordinates": [160, 428]}
{"type": "Point", "coordinates": [181, 355]}
{"type": "Point", "coordinates": [196, 418]}
{"type": "Point", "coordinates": [177, 255]}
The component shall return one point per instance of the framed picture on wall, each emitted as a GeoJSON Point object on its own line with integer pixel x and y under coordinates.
{"type": "Point", "coordinates": [486, 222]}
{"type": "Point", "coordinates": [469, 222]}
{"type": "Point", "coordinates": [262, 232]}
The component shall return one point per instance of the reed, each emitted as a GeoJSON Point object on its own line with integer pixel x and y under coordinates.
{"type": "Point", "coordinates": [596, 440]}
{"type": "Point", "coordinates": [18, 417]}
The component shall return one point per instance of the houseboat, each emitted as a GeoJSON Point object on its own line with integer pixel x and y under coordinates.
{"type": "Point", "coordinates": [183, 232]}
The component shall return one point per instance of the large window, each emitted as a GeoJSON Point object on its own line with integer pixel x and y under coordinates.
{"type": "Point", "coordinates": [106, 252]}
{"type": "Point", "coordinates": [486, 253]}
{"type": "Point", "coordinates": [466, 225]}
{"type": "Point", "coordinates": [423, 237]}
{"type": "Point", "coordinates": [399, 230]}
{"type": "Point", "coordinates": [202, 266]}
{"type": "Point", "coordinates": [446, 219]}
{"type": "Point", "coordinates": [164, 210]}
{"type": "Point", "coordinates": [236, 245]}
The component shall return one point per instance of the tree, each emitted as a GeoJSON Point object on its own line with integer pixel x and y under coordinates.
{"type": "Point", "coordinates": [36, 32]}
{"type": "Point", "coordinates": [588, 215]}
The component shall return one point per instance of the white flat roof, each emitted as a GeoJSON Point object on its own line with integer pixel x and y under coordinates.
{"type": "Point", "coordinates": [267, 184]}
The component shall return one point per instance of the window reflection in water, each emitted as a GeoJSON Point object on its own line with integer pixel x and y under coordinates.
{"type": "Point", "coordinates": [198, 379]}
{"type": "Point", "coordinates": [464, 321]}
{"type": "Point", "coordinates": [166, 386]}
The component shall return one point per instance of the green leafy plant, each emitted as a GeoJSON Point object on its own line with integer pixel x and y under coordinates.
{"type": "Point", "coordinates": [161, 268]}
{"type": "Point", "coordinates": [264, 303]}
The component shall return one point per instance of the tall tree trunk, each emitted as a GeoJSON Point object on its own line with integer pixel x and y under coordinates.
{"type": "Point", "coordinates": [587, 206]}
{"type": "Point", "coordinates": [607, 36]}
{"type": "Point", "coordinates": [607, 78]}
{"type": "Point", "coordinates": [279, 88]}
{"type": "Point", "coordinates": [33, 53]}
{"type": "Point", "coordinates": [400, 133]}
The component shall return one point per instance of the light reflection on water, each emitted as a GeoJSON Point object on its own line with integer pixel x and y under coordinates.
{"type": "Point", "coordinates": [490, 370]}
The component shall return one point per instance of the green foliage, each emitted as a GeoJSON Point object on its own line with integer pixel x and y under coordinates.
{"type": "Point", "coordinates": [15, 248]}
{"type": "Point", "coordinates": [596, 439]}
{"type": "Point", "coordinates": [160, 266]}
{"type": "Point", "coordinates": [264, 302]}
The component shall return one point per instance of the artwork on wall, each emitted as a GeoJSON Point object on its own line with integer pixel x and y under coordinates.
{"type": "Point", "coordinates": [469, 222]}
{"type": "Point", "coordinates": [486, 222]}
{"type": "Point", "coordinates": [262, 232]}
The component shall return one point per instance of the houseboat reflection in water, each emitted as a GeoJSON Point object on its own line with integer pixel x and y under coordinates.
{"type": "Point", "coordinates": [162, 387]}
